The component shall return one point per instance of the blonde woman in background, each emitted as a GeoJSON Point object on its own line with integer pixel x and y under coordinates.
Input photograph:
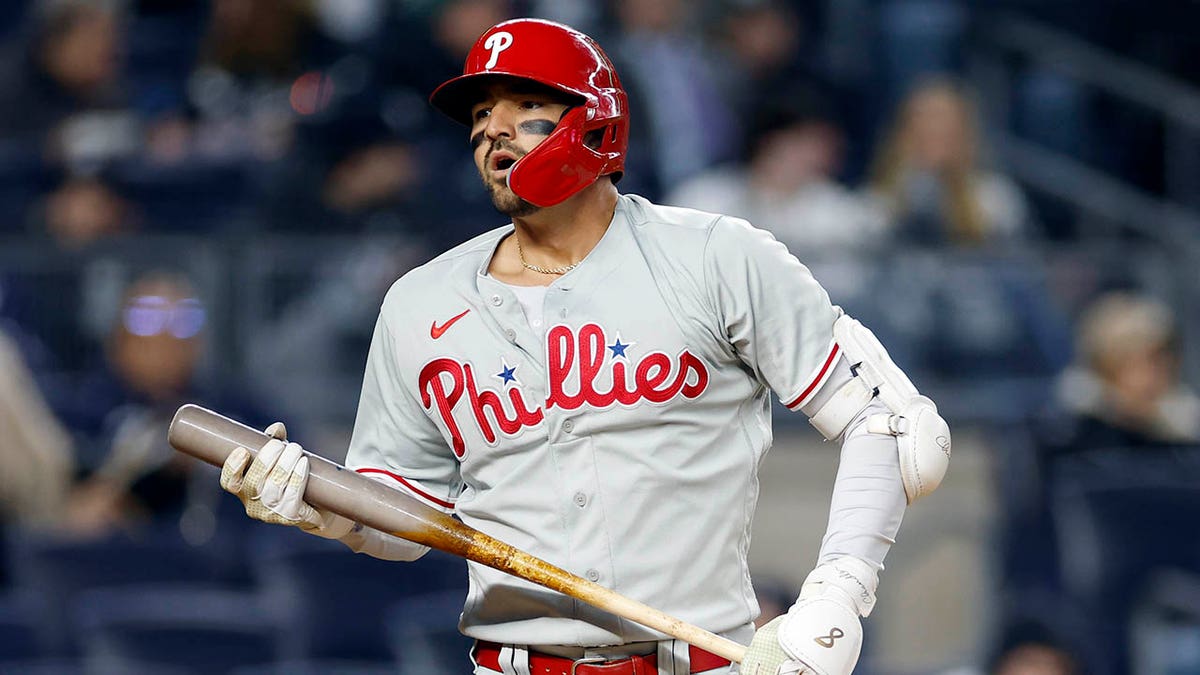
{"type": "Point", "coordinates": [1128, 386]}
{"type": "Point", "coordinates": [928, 178]}
{"type": "Point", "coordinates": [36, 454]}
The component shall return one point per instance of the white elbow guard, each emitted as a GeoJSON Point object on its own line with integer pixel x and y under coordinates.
{"type": "Point", "coordinates": [922, 436]}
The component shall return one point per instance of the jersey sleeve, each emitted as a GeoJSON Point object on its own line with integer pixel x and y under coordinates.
{"type": "Point", "coordinates": [774, 313]}
{"type": "Point", "coordinates": [393, 440]}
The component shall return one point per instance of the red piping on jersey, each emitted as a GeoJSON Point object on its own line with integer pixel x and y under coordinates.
{"type": "Point", "coordinates": [816, 380]}
{"type": "Point", "coordinates": [420, 493]}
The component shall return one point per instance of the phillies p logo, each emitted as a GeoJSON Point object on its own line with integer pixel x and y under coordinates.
{"type": "Point", "coordinates": [497, 42]}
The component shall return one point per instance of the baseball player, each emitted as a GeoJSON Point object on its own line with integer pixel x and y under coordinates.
{"type": "Point", "coordinates": [591, 384]}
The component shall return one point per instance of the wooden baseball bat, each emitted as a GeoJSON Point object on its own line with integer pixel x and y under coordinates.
{"type": "Point", "coordinates": [211, 437]}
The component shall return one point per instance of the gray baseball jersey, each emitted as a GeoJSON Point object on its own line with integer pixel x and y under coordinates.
{"type": "Point", "coordinates": [622, 441]}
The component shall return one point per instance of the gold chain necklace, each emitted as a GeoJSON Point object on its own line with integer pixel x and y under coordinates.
{"type": "Point", "coordinates": [542, 270]}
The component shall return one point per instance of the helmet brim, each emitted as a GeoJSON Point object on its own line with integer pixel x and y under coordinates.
{"type": "Point", "coordinates": [455, 97]}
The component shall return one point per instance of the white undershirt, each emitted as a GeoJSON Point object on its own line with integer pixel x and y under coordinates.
{"type": "Point", "coordinates": [532, 299]}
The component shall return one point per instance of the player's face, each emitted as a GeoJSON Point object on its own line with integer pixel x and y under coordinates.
{"type": "Point", "coordinates": [508, 123]}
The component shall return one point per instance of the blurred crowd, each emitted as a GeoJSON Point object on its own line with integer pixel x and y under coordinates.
{"type": "Point", "coordinates": [205, 200]}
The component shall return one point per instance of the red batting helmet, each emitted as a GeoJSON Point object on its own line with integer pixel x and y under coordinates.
{"type": "Point", "coordinates": [562, 58]}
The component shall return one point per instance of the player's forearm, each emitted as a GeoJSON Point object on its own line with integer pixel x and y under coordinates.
{"type": "Point", "coordinates": [868, 496]}
{"type": "Point", "coordinates": [363, 539]}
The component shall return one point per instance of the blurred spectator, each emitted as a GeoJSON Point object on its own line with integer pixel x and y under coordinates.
{"type": "Point", "coordinates": [763, 41]}
{"type": "Point", "coordinates": [231, 79]}
{"type": "Point", "coordinates": [437, 37]}
{"type": "Point", "coordinates": [1076, 543]}
{"type": "Point", "coordinates": [459, 23]}
{"type": "Point", "coordinates": [83, 210]}
{"type": "Point", "coordinates": [378, 117]}
{"type": "Point", "coordinates": [1127, 389]}
{"type": "Point", "coordinates": [1034, 659]}
{"type": "Point", "coordinates": [1028, 649]}
{"type": "Point", "coordinates": [789, 185]}
{"type": "Point", "coordinates": [154, 355]}
{"type": "Point", "coordinates": [928, 174]}
{"type": "Point", "coordinates": [51, 295]}
{"type": "Point", "coordinates": [350, 21]}
{"type": "Point", "coordinates": [249, 83]}
{"type": "Point", "coordinates": [1033, 649]}
{"type": "Point", "coordinates": [683, 125]}
{"type": "Point", "coordinates": [35, 450]}
{"type": "Point", "coordinates": [1123, 394]}
{"type": "Point", "coordinates": [254, 39]}
{"type": "Point", "coordinates": [351, 173]}
{"type": "Point", "coordinates": [369, 176]}
{"type": "Point", "coordinates": [64, 88]}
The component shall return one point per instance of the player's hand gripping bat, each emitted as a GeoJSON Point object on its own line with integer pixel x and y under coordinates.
{"type": "Point", "coordinates": [211, 437]}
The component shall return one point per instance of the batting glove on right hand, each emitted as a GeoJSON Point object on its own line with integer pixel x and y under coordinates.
{"type": "Point", "coordinates": [821, 634]}
{"type": "Point", "coordinates": [272, 489]}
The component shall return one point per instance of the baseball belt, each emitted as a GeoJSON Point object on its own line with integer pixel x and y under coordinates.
{"type": "Point", "coordinates": [487, 654]}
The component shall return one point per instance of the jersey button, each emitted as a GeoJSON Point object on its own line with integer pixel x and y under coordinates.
{"type": "Point", "coordinates": [563, 312]}
{"type": "Point", "coordinates": [593, 575]}
{"type": "Point", "coordinates": [497, 300]}
{"type": "Point", "coordinates": [580, 499]}
{"type": "Point", "coordinates": [510, 334]}
{"type": "Point", "coordinates": [569, 426]}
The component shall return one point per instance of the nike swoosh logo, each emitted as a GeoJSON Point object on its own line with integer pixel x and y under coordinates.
{"type": "Point", "coordinates": [436, 331]}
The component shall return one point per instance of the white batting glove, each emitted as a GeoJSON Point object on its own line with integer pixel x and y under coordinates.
{"type": "Point", "coordinates": [272, 489]}
{"type": "Point", "coordinates": [821, 634]}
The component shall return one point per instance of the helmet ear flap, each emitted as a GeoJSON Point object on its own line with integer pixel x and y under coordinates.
{"type": "Point", "coordinates": [560, 166]}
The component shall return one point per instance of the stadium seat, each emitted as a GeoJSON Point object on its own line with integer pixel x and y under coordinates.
{"type": "Point", "coordinates": [192, 197]}
{"type": "Point", "coordinates": [24, 177]}
{"type": "Point", "coordinates": [335, 601]}
{"type": "Point", "coordinates": [1124, 517]}
{"type": "Point", "coordinates": [58, 570]}
{"type": "Point", "coordinates": [20, 638]}
{"type": "Point", "coordinates": [424, 634]}
{"type": "Point", "coordinates": [48, 666]}
{"type": "Point", "coordinates": [186, 629]}
{"type": "Point", "coordinates": [1165, 629]}
{"type": "Point", "coordinates": [317, 667]}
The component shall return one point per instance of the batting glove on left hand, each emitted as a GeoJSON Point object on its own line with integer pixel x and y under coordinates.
{"type": "Point", "coordinates": [821, 634]}
{"type": "Point", "coordinates": [272, 489]}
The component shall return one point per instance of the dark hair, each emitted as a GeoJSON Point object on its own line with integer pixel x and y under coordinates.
{"type": "Point", "coordinates": [789, 108]}
{"type": "Point", "coordinates": [521, 86]}
{"type": "Point", "coordinates": [1033, 633]}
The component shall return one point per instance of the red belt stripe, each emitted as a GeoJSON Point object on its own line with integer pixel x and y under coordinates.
{"type": "Point", "coordinates": [487, 654]}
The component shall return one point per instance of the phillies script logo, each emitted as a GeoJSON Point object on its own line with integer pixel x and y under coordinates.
{"type": "Point", "coordinates": [584, 370]}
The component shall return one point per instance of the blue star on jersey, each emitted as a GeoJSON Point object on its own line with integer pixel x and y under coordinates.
{"type": "Point", "coordinates": [618, 348]}
{"type": "Point", "coordinates": [508, 374]}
